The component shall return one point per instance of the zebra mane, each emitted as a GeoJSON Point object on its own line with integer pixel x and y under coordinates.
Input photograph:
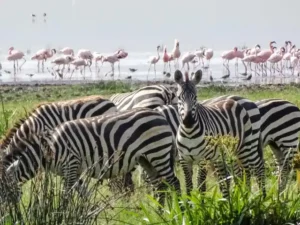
{"type": "Point", "coordinates": [12, 131]}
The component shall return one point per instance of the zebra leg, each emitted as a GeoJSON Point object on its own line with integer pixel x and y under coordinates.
{"type": "Point", "coordinates": [70, 174]}
{"type": "Point", "coordinates": [223, 177]}
{"type": "Point", "coordinates": [202, 174]}
{"type": "Point", "coordinates": [285, 166]}
{"type": "Point", "coordinates": [188, 175]}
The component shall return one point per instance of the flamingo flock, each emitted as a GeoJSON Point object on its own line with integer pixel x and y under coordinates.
{"type": "Point", "coordinates": [255, 60]}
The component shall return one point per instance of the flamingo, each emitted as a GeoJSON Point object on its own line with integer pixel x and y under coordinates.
{"type": "Point", "coordinates": [227, 56]}
{"type": "Point", "coordinates": [97, 57]}
{"type": "Point", "coordinates": [79, 63]}
{"type": "Point", "coordinates": [276, 57]}
{"type": "Point", "coordinates": [67, 51]}
{"type": "Point", "coordinates": [264, 55]}
{"type": "Point", "coordinates": [43, 55]}
{"type": "Point", "coordinates": [287, 56]}
{"type": "Point", "coordinates": [176, 52]}
{"type": "Point", "coordinates": [187, 58]}
{"type": "Point", "coordinates": [121, 54]}
{"type": "Point", "coordinates": [112, 59]}
{"type": "Point", "coordinates": [62, 60]}
{"type": "Point", "coordinates": [200, 55]}
{"type": "Point", "coordinates": [208, 54]}
{"type": "Point", "coordinates": [255, 50]}
{"type": "Point", "coordinates": [153, 60]}
{"type": "Point", "coordinates": [15, 56]}
{"type": "Point", "coordinates": [85, 54]}
{"type": "Point", "coordinates": [167, 59]}
{"type": "Point", "coordinates": [294, 61]}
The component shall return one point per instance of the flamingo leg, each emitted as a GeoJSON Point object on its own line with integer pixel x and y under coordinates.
{"type": "Point", "coordinates": [119, 69]}
{"type": "Point", "coordinates": [148, 71]}
{"type": "Point", "coordinates": [22, 64]}
{"type": "Point", "coordinates": [154, 71]}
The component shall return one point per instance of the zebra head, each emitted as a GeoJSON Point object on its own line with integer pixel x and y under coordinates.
{"type": "Point", "coordinates": [187, 95]}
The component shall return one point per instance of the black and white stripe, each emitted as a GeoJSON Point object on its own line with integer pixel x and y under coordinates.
{"type": "Point", "coordinates": [255, 118]}
{"type": "Point", "coordinates": [107, 146]}
{"type": "Point", "coordinates": [48, 115]}
{"type": "Point", "coordinates": [221, 118]}
{"type": "Point", "coordinates": [147, 97]}
{"type": "Point", "coordinates": [280, 127]}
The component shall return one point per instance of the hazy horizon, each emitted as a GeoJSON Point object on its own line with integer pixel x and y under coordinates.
{"type": "Point", "coordinates": [142, 25]}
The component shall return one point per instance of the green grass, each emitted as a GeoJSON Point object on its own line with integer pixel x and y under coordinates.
{"type": "Point", "coordinates": [243, 207]}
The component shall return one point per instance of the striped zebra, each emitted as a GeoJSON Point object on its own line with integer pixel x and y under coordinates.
{"type": "Point", "coordinates": [47, 116]}
{"type": "Point", "coordinates": [108, 146]}
{"type": "Point", "coordinates": [198, 121]}
{"type": "Point", "coordinates": [147, 97]}
{"type": "Point", "coordinates": [280, 126]}
{"type": "Point", "coordinates": [255, 118]}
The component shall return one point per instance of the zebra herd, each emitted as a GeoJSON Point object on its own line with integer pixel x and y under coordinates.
{"type": "Point", "coordinates": [152, 127]}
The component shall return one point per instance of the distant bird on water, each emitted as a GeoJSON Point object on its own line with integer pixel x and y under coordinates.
{"type": "Point", "coordinates": [248, 77]}
{"type": "Point", "coordinates": [128, 77]}
{"type": "Point", "coordinates": [45, 19]}
{"type": "Point", "coordinates": [30, 74]}
{"type": "Point", "coordinates": [7, 71]}
{"type": "Point", "coordinates": [33, 16]}
{"type": "Point", "coordinates": [225, 76]}
{"type": "Point", "coordinates": [132, 70]}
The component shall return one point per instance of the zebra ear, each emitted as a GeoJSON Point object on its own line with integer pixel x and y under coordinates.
{"type": "Point", "coordinates": [197, 77]}
{"type": "Point", "coordinates": [178, 77]}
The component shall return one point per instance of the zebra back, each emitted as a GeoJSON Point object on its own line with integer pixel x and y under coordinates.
{"type": "Point", "coordinates": [280, 123]}
{"type": "Point", "coordinates": [46, 116]}
{"type": "Point", "coordinates": [148, 97]}
{"type": "Point", "coordinates": [253, 112]}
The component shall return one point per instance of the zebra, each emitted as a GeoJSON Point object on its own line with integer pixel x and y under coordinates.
{"type": "Point", "coordinates": [47, 116]}
{"type": "Point", "coordinates": [107, 146]}
{"type": "Point", "coordinates": [221, 118]}
{"type": "Point", "coordinates": [280, 126]}
{"type": "Point", "coordinates": [148, 97]}
{"type": "Point", "coordinates": [255, 119]}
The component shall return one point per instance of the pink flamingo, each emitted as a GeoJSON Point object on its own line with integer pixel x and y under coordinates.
{"type": "Point", "coordinates": [265, 54]}
{"type": "Point", "coordinates": [227, 56]}
{"type": "Point", "coordinates": [167, 59]}
{"type": "Point", "coordinates": [67, 51]}
{"type": "Point", "coordinates": [287, 56]}
{"type": "Point", "coordinates": [275, 58]}
{"type": "Point", "coordinates": [200, 55]}
{"type": "Point", "coordinates": [153, 60]}
{"type": "Point", "coordinates": [85, 54]}
{"type": "Point", "coordinates": [62, 60]}
{"type": "Point", "coordinates": [112, 59]}
{"type": "Point", "coordinates": [97, 57]}
{"type": "Point", "coordinates": [81, 63]}
{"type": "Point", "coordinates": [208, 54]}
{"type": "Point", "coordinates": [121, 54]}
{"type": "Point", "coordinates": [187, 58]}
{"type": "Point", "coordinates": [255, 50]}
{"type": "Point", "coordinates": [15, 56]}
{"type": "Point", "coordinates": [43, 55]}
{"type": "Point", "coordinates": [176, 53]}
{"type": "Point", "coordinates": [294, 61]}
